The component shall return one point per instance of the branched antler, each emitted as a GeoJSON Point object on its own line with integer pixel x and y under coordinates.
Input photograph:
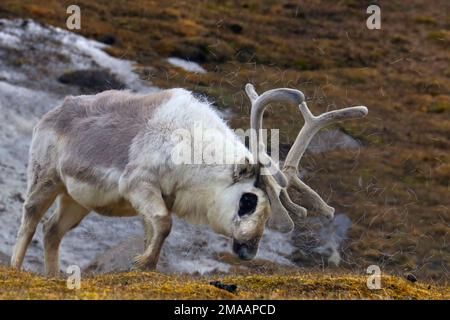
{"type": "Point", "coordinates": [259, 104]}
{"type": "Point", "coordinates": [308, 197]}
{"type": "Point", "coordinates": [272, 178]}
{"type": "Point", "coordinates": [282, 206]}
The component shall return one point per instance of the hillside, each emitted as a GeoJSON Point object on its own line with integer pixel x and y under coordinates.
{"type": "Point", "coordinates": [395, 188]}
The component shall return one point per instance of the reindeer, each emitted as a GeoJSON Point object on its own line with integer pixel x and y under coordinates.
{"type": "Point", "coordinates": [112, 153]}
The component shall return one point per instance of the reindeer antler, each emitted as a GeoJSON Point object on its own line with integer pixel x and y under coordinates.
{"type": "Point", "coordinates": [259, 104]}
{"type": "Point", "coordinates": [281, 204]}
{"type": "Point", "coordinates": [308, 197]}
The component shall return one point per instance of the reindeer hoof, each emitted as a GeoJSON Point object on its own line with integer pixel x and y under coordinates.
{"type": "Point", "coordinates": [138, 263]}
{"type": "Point", "coordinates": [142, 263]}
{"type": "Point", "coordinates": [53, 275]}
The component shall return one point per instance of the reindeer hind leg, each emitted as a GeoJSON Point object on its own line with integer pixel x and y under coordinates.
{"type": "Point", "coordinates": [67, 216]}
{"type": "Point", "coordinates": [41, 194]}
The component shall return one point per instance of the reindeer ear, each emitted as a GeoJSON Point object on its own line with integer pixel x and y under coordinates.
{"type": "Point", "coordinates": [279, 219]}
{"type": "Point", "coordinates": [245, 170]}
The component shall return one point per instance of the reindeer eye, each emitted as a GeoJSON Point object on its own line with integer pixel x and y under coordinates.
{"type": "Point", "coordinates": [247, 204]}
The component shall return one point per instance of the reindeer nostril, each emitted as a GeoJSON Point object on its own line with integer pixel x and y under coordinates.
{"type": "Point", "coordinates": [244, 251]}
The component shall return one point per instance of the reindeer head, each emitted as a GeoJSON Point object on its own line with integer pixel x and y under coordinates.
{"type": "Point", "coordinates": [255, 192]}
{"type": "Point", "coordinates": [259, 192]}
{"type": "Point", "coordinates": [252, 210]}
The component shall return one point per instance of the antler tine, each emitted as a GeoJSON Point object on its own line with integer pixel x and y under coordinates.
{"type": "Point", "coordinates": [251, 93]}
{"type": "Point", "coordinates": [281, 219]}
{"type": "Point", "coordinates": [313, 124]}
{"type": "Point", "coordinates": [259, 104]}
{"type": "Point", "coordinates": [307, 196]}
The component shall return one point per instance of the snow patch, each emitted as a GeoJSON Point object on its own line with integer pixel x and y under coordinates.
{"type": "Point", "coordinates": [186, 65]}
{"type": "Point", "coordinates": [82, 53]}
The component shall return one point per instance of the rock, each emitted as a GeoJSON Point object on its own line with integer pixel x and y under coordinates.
{"type": "Point", "coordinates": [324, 141]}
{"type": "Point", "coordinates": [411, 277]}
{"type": "Point", "coordinates": [229, 287]}
{"type": "Point", "coordinates": [107, 39]}
{"type": "Point", "coordinates": [235, 28]}
{"type": "Point", "coordinates": [91, 80]}
{"type": "Point", "coordinates": [118, 258]}
{"type": "Point", "coordinates": [4, 259]}
{"type": "Point", "coordinates": [17, 196]}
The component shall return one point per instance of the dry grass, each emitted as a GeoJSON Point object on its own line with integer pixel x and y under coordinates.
{"type": "Point", "coordinates": [396, 188]}
{"type": "Point", "coordinates": [152, 285]}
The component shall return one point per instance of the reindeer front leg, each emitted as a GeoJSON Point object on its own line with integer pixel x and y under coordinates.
{"type": "Point", "coordinates": [148, 202]}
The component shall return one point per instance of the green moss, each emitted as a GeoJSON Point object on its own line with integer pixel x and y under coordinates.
{"type": "Point", "coordinates": [364, 136]}
{"type": "Point", "coordinates": [439, 107]}
{"type": "Point", "coordinates": [302, 64]}
{"type": "Point", "coordinates": [428, 20]}
{"type": "Point", "coordinates": [440, 36]}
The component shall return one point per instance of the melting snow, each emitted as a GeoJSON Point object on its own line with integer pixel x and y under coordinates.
{"type": "Point", "coordinates": [186, 65]}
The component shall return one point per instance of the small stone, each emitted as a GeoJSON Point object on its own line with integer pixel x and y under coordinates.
{"type": "Point", "coordinates": [92, 80]}
{"type": "Point", "coordinates": [235, 28]}
{"type": "Point", "coordinates": [411, 277]}
{"type": "Point", "coordinates": [107, 39]}
{"type": "Point", "coordinates": [228, 287]}
{"type": "Point", "coordinates": [17, 196]}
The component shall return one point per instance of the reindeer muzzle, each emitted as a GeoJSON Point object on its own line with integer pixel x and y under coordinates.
{"type": "Point", "coordinates": [245, 251]}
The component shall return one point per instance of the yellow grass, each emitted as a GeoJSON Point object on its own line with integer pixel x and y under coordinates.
{"type": "Point", "coordinates": [153, 285]}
